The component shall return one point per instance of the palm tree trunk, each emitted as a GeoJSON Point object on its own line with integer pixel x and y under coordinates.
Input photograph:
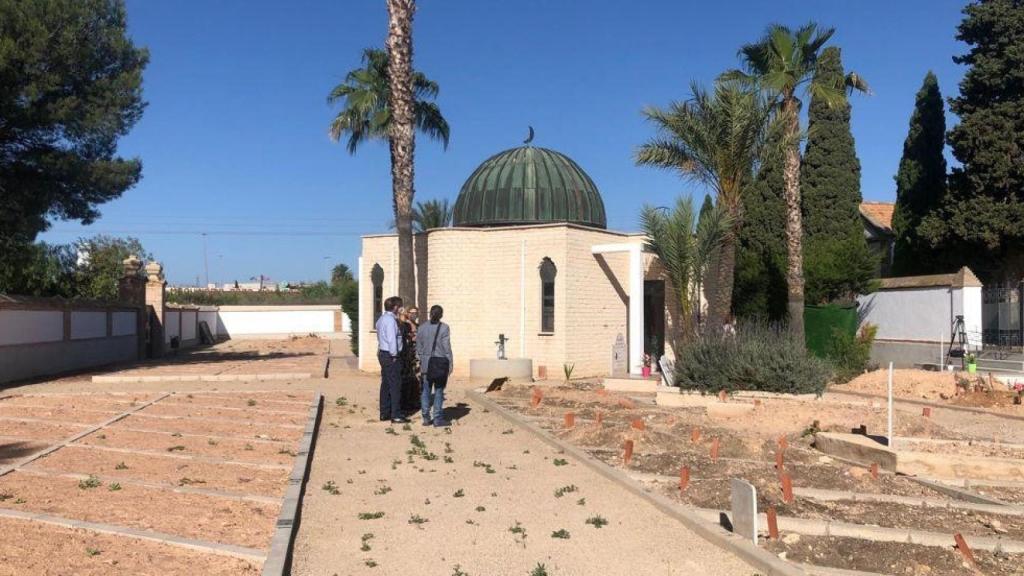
{"type": "Point", "coordinates": [794, 223]}
{"type": "Point", "coordinates": [726, 256]}
{"type": "Point", "coordinates": [402, 137]}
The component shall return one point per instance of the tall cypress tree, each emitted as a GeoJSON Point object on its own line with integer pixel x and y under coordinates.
{"type": "Point", "coordinates": [920, 182]}
{"type": "Point", "coordinates": [759, 288]}
{"type": "Point", "coordinates": [983, 220]}
{"type": "Point", "coordinates": [838, 262]}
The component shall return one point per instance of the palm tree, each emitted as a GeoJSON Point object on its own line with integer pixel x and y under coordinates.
{"type": "Point", "coordinates": [431, 214]}
{"type": "Point", "coordinates": [365, 114]}
{"type": "Point", "coordinates": [783, 64]}
{"type": "Point", "coordinates": [684, 253]}
{"type": "Point", "coordinates": [715, 138]}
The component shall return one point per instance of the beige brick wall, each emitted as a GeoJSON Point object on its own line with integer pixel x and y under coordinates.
{"type": "Point", "coordinates": [476, 274]}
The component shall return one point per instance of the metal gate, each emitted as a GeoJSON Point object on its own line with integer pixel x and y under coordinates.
{"type": "Point", "coordinates": [1002, 308]}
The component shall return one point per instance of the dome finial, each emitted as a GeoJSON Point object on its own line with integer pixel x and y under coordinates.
{"type": "Point", "coordinates": [530, 137]}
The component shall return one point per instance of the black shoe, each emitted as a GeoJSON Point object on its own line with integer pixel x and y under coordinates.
{"type": "Point", "coordinates": [400, 420]}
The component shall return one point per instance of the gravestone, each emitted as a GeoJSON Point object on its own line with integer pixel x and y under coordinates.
{"type": "Point", "coordinates": [744, 510]}
{"type": "Point", "coordinates": [620, 359]}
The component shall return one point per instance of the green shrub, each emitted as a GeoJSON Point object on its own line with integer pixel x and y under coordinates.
{"type": "Point", "coordinates": [758, 357]}
{"type": "Point", "coordinates": [850, 355]}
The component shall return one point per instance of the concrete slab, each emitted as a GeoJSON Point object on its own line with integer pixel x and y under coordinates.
{"type": "Point", "coordinates": [632, 384]}
{"type": "Point", "coordinates": [857, 448]}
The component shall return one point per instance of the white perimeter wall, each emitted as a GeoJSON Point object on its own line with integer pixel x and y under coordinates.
{"type": "Point", "coordinates": [923, 314]}
{"type": "Point", "coordinates": [31, 326]}
{"type": "Point", "coordinates": [235, 321]}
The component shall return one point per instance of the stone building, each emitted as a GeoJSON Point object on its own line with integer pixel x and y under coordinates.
{"type": "Point", "coordinates": [529, 256]}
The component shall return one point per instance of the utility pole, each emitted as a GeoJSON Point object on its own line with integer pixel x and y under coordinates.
{"type": "Point", "coordinates": [206, 263]}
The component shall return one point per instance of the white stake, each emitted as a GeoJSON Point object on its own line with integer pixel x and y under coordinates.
{"type": "Point", "coordinates": [891, 447]}
{"type": "Point", "coordinates": [942, 360]}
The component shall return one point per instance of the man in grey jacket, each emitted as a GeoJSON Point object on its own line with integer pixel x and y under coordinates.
{"type": "Point", "coordinates": [434, 346]}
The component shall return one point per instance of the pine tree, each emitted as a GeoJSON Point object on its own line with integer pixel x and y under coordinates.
{"type": "Point", "coordinates": [759, 288]}
{"type": "Point", "coordinates": [920, 182]}
{"type": "Point", "coordinates": [983, 218]}
{"type": "Point", "coordinates": [839, 263]}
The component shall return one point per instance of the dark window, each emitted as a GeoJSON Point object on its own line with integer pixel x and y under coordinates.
{"type": "Point", "coordinates": [377, 279]}
{"type": "Point", "coordinates": [547, 295]}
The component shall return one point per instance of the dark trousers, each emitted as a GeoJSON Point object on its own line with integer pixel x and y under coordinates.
{"type": "Point", "coordinates": [390, 386]}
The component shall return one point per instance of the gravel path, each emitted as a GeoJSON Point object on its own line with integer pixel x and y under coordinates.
{"type": "Point", "coordinates": [498, 478]}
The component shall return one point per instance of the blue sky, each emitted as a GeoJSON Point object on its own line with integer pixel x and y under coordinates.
{"type": "Point", "coordinates": [234, 141]}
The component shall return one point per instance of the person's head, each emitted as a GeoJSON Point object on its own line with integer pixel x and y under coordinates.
{"type": "Point", "coordinates": [401, 313]}
{"type": "Point", "coordinates": [392, 304]}
{"type": "Point", "coordinates": [436, 312]}
{"type": "Point", "coordinates": [413, 313]}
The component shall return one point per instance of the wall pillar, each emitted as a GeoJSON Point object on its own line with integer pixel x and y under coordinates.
{"type": "Point", "coordinates": [635, 317]}
{"type": "Point", "coordinates": [131, 290]}
{"type": "Point", "coordinates": [156, 293]}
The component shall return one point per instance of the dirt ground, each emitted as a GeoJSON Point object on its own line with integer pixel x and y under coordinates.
{"type": "Point", "coordinates": [938, 387]}
{"type": "Point", "coordinates": [43, 549]}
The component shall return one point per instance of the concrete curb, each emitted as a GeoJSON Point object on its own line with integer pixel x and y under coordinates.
{"type": "Point", "coordinates": [954, 492]}
{"type": "Point", "coordinates": [839, 496]}
{"type": "Point", "coordinates": [813, 527]}
{"type": "Point", "coordinates": [279, 559]}
{"type": "Point", "coordinates": [931, 404]}
{"type": "Point", "coordinates": [54, 447]}
{"type": "Point", "coordinates": [764, 561]}
{"type": "Point", "coordinates": [251, 554]}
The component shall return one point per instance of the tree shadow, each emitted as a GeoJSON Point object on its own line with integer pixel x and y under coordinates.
{"type": "Point", "coordinates": [15, 450]}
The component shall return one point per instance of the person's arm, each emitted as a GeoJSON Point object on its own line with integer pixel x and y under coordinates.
{"type": "Point", "coordinates": [446, 346]}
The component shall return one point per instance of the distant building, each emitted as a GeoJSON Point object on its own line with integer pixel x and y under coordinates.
{"type": "Point", "coordinates": [877, 218]}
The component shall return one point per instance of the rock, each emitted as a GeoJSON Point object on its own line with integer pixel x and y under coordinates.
{"type": "Point", "coordinates": [791, 538]}
{"type": "Point", "coordinates": [782, 555]}
{"type": "Point", "coordinates": [858, 472]}
{"type": "Point", "coordinates": [825, 460]}
{"type": "Point", "coordinates": [996, 526]}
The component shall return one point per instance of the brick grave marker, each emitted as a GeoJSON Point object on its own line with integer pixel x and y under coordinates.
{"type": "Point", "coordinates": [744, 509]}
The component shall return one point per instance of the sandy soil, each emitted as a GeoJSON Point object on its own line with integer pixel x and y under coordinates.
{"type": "Point", "coordinates": [937, 387]}
{"type": "Point", "coordinates": [38, 430]}
{"type": "Point", "coordinates": [189, 515]}
{"type": "Point", "coordinates": [46, 550]}
{"type": "Point", "coordinates": [64, 414]}
{"type": "Point", "coordinates": [104, 402]}
{"type": "Point", "coordinates": [361, 458]}
{"type": "Point", "coordinates": [237, 429]}
{"type": "Point", "coordinates": [166, 469]}
{"type": "Point", "coordinates": [237, 449]}
{"type": "Point", "coordinates": [255, 414]}
{"type": "Point", "coordinates": [241, 401]}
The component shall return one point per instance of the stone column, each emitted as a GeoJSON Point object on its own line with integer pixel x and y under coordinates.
{"type": "Point", "coordinates": [156, 288]}
{"type": "Point", "coordinates": [131, 291]}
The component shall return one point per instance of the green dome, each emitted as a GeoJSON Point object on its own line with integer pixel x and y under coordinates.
{"type": "Point", "coordinates": [529, 185]}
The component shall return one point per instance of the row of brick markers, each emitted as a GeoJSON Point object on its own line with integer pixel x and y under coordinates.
{"type": "Point", "coordinates": [785, 479]}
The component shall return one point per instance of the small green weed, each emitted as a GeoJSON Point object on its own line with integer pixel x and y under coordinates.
{"type": "Point", "coordinates": [519, 532]}
{"type": "Point", "coordinates": [562, 534]}
{"type": "Point", "coordinates": [390, 430]}
{"type": "Point", "coordinates": [459, 493]}
{"type": "Point", "coordinates": [331, 488]}
{"type": "Point", "coordinates": [581, 502]}
{"type": "Point", "coordinates": [457, 571]}
{"type": "Point", "coordinates": [114, 487]}
{"type": "Point", "coordinates": [561, 462]}
{"type": "Point", "coordinates": [341, 401]}
{"type": "Point", "coordinates": [249, 446]}
{"type": "Point", "coordinates": [565, 490]}
{"type": "Point", "coordinates": [596, 521]}
{"type": "Point", "coordinates": [211, 442]}
{"type": "Point", "coordinates": [366, 542]}
{"type": "Point", "coordinates": [176, 435]}
{"type": "Point", "coordinates": [177, 448]}
{"type": "Point", "coordinates": [370, 515]}
{"type": "Point", "coordinates": [92, 551]}
{"type": "Point", "coordinates": [91, 482]}
{"type": "Point", "coordinates": [417, 519]}
{"type": "Point", "coordinates": [250, 402]}
{"type": "Point", "coordinates": [121, 466]}
{"type": "Point", "coordinates": [186, 481]}
{"type": "Point", "coordinates": [481, 509]}
{"type": "Point", "coordinates": [539, 570]}
{"type": "Point", "coordinates": [382, 490]}
{"type": "Point", "coordinates": [370, 563]}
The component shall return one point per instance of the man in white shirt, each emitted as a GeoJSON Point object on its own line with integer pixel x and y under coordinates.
{"type": "Point", "coordinates": [389, 346]}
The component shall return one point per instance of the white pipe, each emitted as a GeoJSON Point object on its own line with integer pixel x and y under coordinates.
{"type": "Point", "coordinates": [942, 356]}
{"type": "Point", "coordinates": [366, 318]}
{"type": "Point", "coordinates": [892, 440]}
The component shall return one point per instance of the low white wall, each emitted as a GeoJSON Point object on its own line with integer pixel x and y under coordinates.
{"type": "Point", "coordinates": [923, 314]}
{"type": "Point", "coordinates": [209, 315]}
{"type": "Point", "coordinates": [172, 324]}
{"type": "Point", "coordinates": [235, 321]}
{"type": "Point", "coordinates": [31, 326]}
{"type": "Point", "coordinates": [90, 324]}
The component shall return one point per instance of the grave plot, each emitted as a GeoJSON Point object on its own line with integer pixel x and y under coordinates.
{"type": "Point", "coordinates": [690, 453]}
{"type": "Point", "coordinates": [188, 489]}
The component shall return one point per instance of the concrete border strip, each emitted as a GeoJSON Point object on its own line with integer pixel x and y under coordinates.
{"type": "Point", "coordinates": [251, 554]}
{"type": "Point", "coordinates": [233, 377]}
{"type": "Point", "coordinates": [175, 402]}
{"type": "Point", "coordinates": [838, 496]}
{"type": "Point", "coordinates": [54, 447]}
{"type": "Point", "coordinates": [815, 527]}
{"type": "Point", "coordinates": [958, 493]}
{"type": "Point", "coordinates": [279, 559]}
{"type": "Point", "coordinates": [203, 459]}
{"type": "Point", "coordinates": [932, 404]}
{"type": "Point", "coordinates": [157, 485]}
{"type": "Point", "coordinates": [758, 558]}
{"type": "Point", "coordinates": [813, 570]}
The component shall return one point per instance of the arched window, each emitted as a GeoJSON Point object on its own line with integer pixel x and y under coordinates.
{"type": "Point", "coordinates": [547, 295]}
{"type": "Point", "coordinates": [377, 279]}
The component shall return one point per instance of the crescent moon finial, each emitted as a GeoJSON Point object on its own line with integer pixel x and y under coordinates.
{"type": "Point", "coordinates": [530, 137]}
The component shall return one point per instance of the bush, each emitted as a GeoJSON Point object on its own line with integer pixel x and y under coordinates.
{"type": "Point", "coordinates": [759, 357]}
{"type": "Point", "coordinates": [850, 355]}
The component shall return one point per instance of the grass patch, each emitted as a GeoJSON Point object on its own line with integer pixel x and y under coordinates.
{"type": "Point", "coordinates": [581, 502]}
{"type": "Point", "coordinates": [562, 534]}
{"type": "Point", "coordinates": [211, 442]}
{"type": "Point", "coordinates": [459, 493]}
{"type": "Point", "coordinates": [341, 401]}
{"type": "Point", "coordinates": [596, 521]}
{"type": "Point", "coordinates": [561, 462]}
{"type": "Point", "coordinates": [481, 509]}
{"type": "Point", "coordinates": [457, 571]}
{"type": "Point", "coordinates": [390, 430]}
{"type": "Point", "coordinates": [250, 402]}
{"type": "Point", "coordinates": [370, 563]}
{"type": "Point", "coordinates": [114, 487]}
{"type": "Point", "coordinates": [565, 490]}
{"type": "Point", "coordinates": [186, 481]}
{"type": "Point", "coordinates": [331, 488]}
{"type": "Point", "coordinates": [382, 490]}
{"type": "Point", "coordinates": [366, 541]}
{"type": "Point", "coordinates": [91, 482]}
{"type": "Point", "coordinates": [92, 552]}
{"type": "Point", "coordinates": [519, 533]}
{"type": "Point", "coordinates": [539, 570]}
{"type": "Point", "coordinates": [417, 519]}
{"type": "Point", "coordinates": [177, 448]}
{"type": "Point", "coordinates": [370, 515]}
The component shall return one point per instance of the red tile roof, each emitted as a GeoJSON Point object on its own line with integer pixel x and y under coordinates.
{"type": "Point", "coordinates": [878, 213]}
